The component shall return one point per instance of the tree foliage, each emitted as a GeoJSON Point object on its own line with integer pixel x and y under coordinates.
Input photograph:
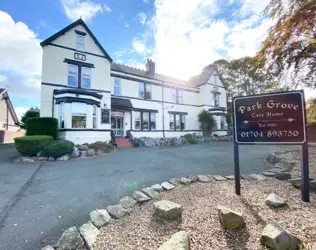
{"type": "Point", "coordinates": [32, 112]}
{"type": "Point", "coordinates": [289, 51]}
{"type": "Point", "coordinates": [311, 111]}
{"type": "Point", "coordinates": [207, 122]}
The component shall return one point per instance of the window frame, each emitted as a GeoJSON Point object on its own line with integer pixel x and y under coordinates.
{"type": "Point", "coordinates": [138, 119]}
{"type": "Point", "coordinates": [94, 116]}
{"type": "Point", "coordinates": [173, 119]}
{"type": "Point", "coordinates": [139, 90]}
{"type": "Point", "coordinates": [61, 111]}
{"type": "Point", "coordinates": [80, 43]}
{"type": "Point", "coordinates": [73, 75]}
{"type": "Point", "coordinates": [117, 86]}
{"type": "Point", "coordinates": [72, 114]}
{"type": "Point", "coordinates": [216, 99]}
{"type": "Point", "coordinates": [82, 76]}
{"type": "Point", "coordinates": [141, 120]}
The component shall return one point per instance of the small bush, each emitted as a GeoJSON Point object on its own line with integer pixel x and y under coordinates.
{"type": "Point", "coordinates": [42, 126]}
{"type": "Point", "coordinates": [103, 146]}
{"type": "Point", "coordinates": [32, 145]}
{"type": "Point", "coordinates": [58, 148]}
{"type": "Point", "coordinates": [190, 138]}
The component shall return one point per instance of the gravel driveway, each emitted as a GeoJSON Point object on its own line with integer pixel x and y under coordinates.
{"type": "Point", "coordinates": [39, 201]}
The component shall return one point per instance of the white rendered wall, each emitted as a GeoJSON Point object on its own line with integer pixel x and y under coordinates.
{"type": "Point", "coordinates": [80, 137]}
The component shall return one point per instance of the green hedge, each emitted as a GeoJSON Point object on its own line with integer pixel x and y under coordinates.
{"type": "Point", "coordinates": [190, 138]}
{"type": "Point", "coordinates": [42, 126]}
{"type": "Point", "coordinates": [32, 145]}
{"type": "Point", "coordinates": [58, 148]}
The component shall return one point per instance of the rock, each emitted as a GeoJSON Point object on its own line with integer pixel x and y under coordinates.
{"type": "Point", "coordinates": [117, 211]}
{"type": "Point", "coordinates": [90, 233]}
{"type": "Point", "coordinates": [76, 152]}
{"type": "Point", "coordinates": [247, 177]}
{"type": "Point", "coordinates": [210, 177]}
{"type": "Point", "coordinates": [230, 177]}
{"type": "Point", "coordinates": [268, 174]}
{"type": "Point", "coordinates": [277, 170]}
{"type": "Point", "coordinates": [178, 241]}
{"type": "Point", "coordinates": [27, 159]}
{"type": "Point", "coordinates": [48, 247]}
{"type": "Point", "coordinates": [157, 187]}
{"type": "Point", "coordinates": [140, 197]}
{"type": "Point", "coordinates": [312, 186]}
{"type": "Point", "coordinates": [98, 152]}
{"type": "Point", "coordinates": [175, 181]}
{"type": "Point", "coordinates": [203, 178]}
{"type": "Point", "coordinates": [274, 200]}
{"type": "Point", "coordinates": [273, 159]}
{"type": "Point", "coordinates": [42, 158]}
{"type": "Point", "coordinates": [285, 165]}
{"type": "Point", "coordinates": [258, 177]}
{"type": "Point", "coordinates": [297, 182]}
{"type": "Point", "coordinates": [193, 178]}
{"type": "Point", "coordinates": [277, 238]}
{"type": "Point", "coordinates": [168, 210]}
{"type": "Point", "coordinates": [51, 158]}
{"type": "Point", "coordinates": [63, 158]}
{"type": "Point", "coordinates": [149, 192]}
{"type": "Point", "coordinates": [230, 219]}
{"type": "Point", "coordinates": [100, 217]}
{"type": "Point", "coordinates": [128, 202]}
{"type": "Point", "coordinates": [219, 178]}
{"type": "Point", "coordinates": [283, 176]}
{"type": "Point", "coordinates": [185, 181]}
{"type": "Point", "coordinates": [90, 152]}
{"type": "Point", "coordinates": [70, 240]}
{"type": "Point", "coordinates": [167, 186]}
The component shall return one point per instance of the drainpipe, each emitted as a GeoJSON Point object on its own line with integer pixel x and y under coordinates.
{"type": "Point", "coordinates": [7, 100]}
{"type": "Point", "coordinates": [163, 112]}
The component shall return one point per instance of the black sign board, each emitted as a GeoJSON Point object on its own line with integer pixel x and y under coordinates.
{"type": "Point", "coordinates": [276, 118]}
{"type": "Point", "coordinates": [105, 116]}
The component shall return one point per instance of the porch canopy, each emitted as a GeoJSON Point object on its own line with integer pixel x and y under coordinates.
{"type": "Point", "coordinates": [121, 103]}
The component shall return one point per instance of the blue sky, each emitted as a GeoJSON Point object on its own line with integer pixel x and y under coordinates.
{"type": "Point", "coordinates": [181, 36]}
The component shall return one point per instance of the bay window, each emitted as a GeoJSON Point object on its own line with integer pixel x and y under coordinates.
{"type": "Point", "coordinates": [78, 115]}
{"type": "Point", "coordinates": [137, 121]}
{"type": "Point", "coordinates": [86, 77]}
{"type": "Point", "coordinates": [72, 75]}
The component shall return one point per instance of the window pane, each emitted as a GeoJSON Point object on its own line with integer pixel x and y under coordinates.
{"type": "Point", "coordinates": [171, 121]}
{"type": "Point", "coordinates": [145, 120]}
{"type": "Point", "coordinates": [86, 83]}
{"type": "Point", "coordinates": [72, 81]}
{"type": "Point", "coordinates": [86, 72]}
{"type": "Point", "coordinates": [148, 91]}
{"type": "Point", "coordinates": [137, 121]}
{"type": "Point", "coordinates": [72, 69]}
{"type": "Point", "coordinates": [117, 86]}
{"type": "Point", "coordinates": [80, 42]}
{"type": "Point", "coordinates": [177, 122]}
{"type": "Point", "coordinates": [182, 122]}
{"type": "Point", "coordinates": [141, 90]}
{"type": "Point", "coordinates": [180, 96]}
{"type": "Point", "coordinates": [61, 115]}
{"type": "Point", "coordinates": [152, 121]}
{"type": "Point", "coordinates": [79, 113]}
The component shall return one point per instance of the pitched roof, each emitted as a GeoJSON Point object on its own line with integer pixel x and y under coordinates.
{"type": "Point", "coordinates": [143, 73]}
{"type": "Point", "coordinates": [2, 90]}
{"type": "Point", "coordinates": [69, 27]}
{"type": "Point", "coordinates": [202, 78]}
{"type": "Point", "coordinates": [9, 103]}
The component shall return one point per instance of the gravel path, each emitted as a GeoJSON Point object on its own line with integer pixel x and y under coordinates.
{"type": "Point", "coordinates": [141, 230]}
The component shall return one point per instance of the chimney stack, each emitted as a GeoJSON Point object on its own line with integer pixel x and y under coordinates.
{"type": "Point", "coordinates": [150, 66]}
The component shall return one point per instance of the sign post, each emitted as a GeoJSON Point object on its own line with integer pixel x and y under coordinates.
{"type": "Point", "coordinates": [274, 118]}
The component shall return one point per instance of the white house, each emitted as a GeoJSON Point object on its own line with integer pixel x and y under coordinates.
{"type": "Point", "coordinates": [91, 95]}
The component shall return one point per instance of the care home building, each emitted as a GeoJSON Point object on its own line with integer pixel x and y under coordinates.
{"type": "Point", "coordinates": [91, 95]}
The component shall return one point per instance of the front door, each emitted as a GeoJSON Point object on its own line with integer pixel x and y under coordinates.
{"type": "Point", "coordinates": [117, 126]}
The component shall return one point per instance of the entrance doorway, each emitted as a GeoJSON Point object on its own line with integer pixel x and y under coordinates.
{"type": "Point", "coordinates": [117, 126]}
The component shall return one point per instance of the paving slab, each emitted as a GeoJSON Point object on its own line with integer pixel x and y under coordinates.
{"type": "Point", "coordinates": [219, 178]}
{"type": "Point", "coordinates": [258, 177]}
{"type": "Point", "coordinates": [203, 178]}
{"type": "Point", "coordinates": [230, 177]}
{"type": "Point", "coordinates": [268, 174]}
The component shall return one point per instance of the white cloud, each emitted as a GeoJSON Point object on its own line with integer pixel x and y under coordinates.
{"type": "Point", "coordinates": [145, 1]}
{"type": "Point", "coordinates": [189, 35]}
{"type": "Point", "coordinates": [20, 111]}
{"type": "Point", "coordinates": [138, 45]}
{"type": "Point", "coordinates": [21, 56]}
{"type": "Point", "coordinates": [3, 78]}
{"type": "Point", "coordinates": [142, 17]}
{"type": "Point", "coordinates": [74, 9]}
{"type": "Point", "coordinates": [126, 25]}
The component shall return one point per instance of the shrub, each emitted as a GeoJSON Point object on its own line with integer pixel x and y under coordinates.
{"type": "Point", "coordinates": [31, 145]}
{"type": "Point", "coordinates": [42, 126]}
{"type": "Point", "coordinates": [58, 148]}
{"type": "Point", "coordinates": [190, 138]}
{"type": "Point", "coordinates": [103, 146]}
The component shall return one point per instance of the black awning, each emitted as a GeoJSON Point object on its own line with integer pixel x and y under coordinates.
{"type": "Point", "coordinates": [121, 103]}
{"type": "Point", "coordinates": [177, 113]}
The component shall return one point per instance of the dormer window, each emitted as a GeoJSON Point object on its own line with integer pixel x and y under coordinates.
{"type": "Point", "coordinates": [79, 42]}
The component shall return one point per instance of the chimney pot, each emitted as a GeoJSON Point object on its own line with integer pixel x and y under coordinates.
{"type": "Point", "coordinates": [150, 66]}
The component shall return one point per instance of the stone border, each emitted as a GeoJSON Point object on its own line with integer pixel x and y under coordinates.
{"type": "Point", "coordinates": [88, 232]}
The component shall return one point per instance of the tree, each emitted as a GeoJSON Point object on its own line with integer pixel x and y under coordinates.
{"type": "Point", "coordinates": [32, 112]}
{"type": "Point", "coordinates": [311, 111]}
{"type": "Point", "coordinates": [207, 122]}
{"type": "Point", "coordinates": [289, 51]}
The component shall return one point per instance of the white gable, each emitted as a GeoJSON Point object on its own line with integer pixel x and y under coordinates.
{"type": "Point", "coordinates": [215, 79]}
{"type": "Point", "coordinates": [69, 40]}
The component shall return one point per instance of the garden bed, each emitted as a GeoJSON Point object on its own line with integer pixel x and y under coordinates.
{"type": "Point", "coordinates": [142, 230]}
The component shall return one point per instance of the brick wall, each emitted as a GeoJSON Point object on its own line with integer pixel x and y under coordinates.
{"type": "Point", "coordinates": [8, 136]}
